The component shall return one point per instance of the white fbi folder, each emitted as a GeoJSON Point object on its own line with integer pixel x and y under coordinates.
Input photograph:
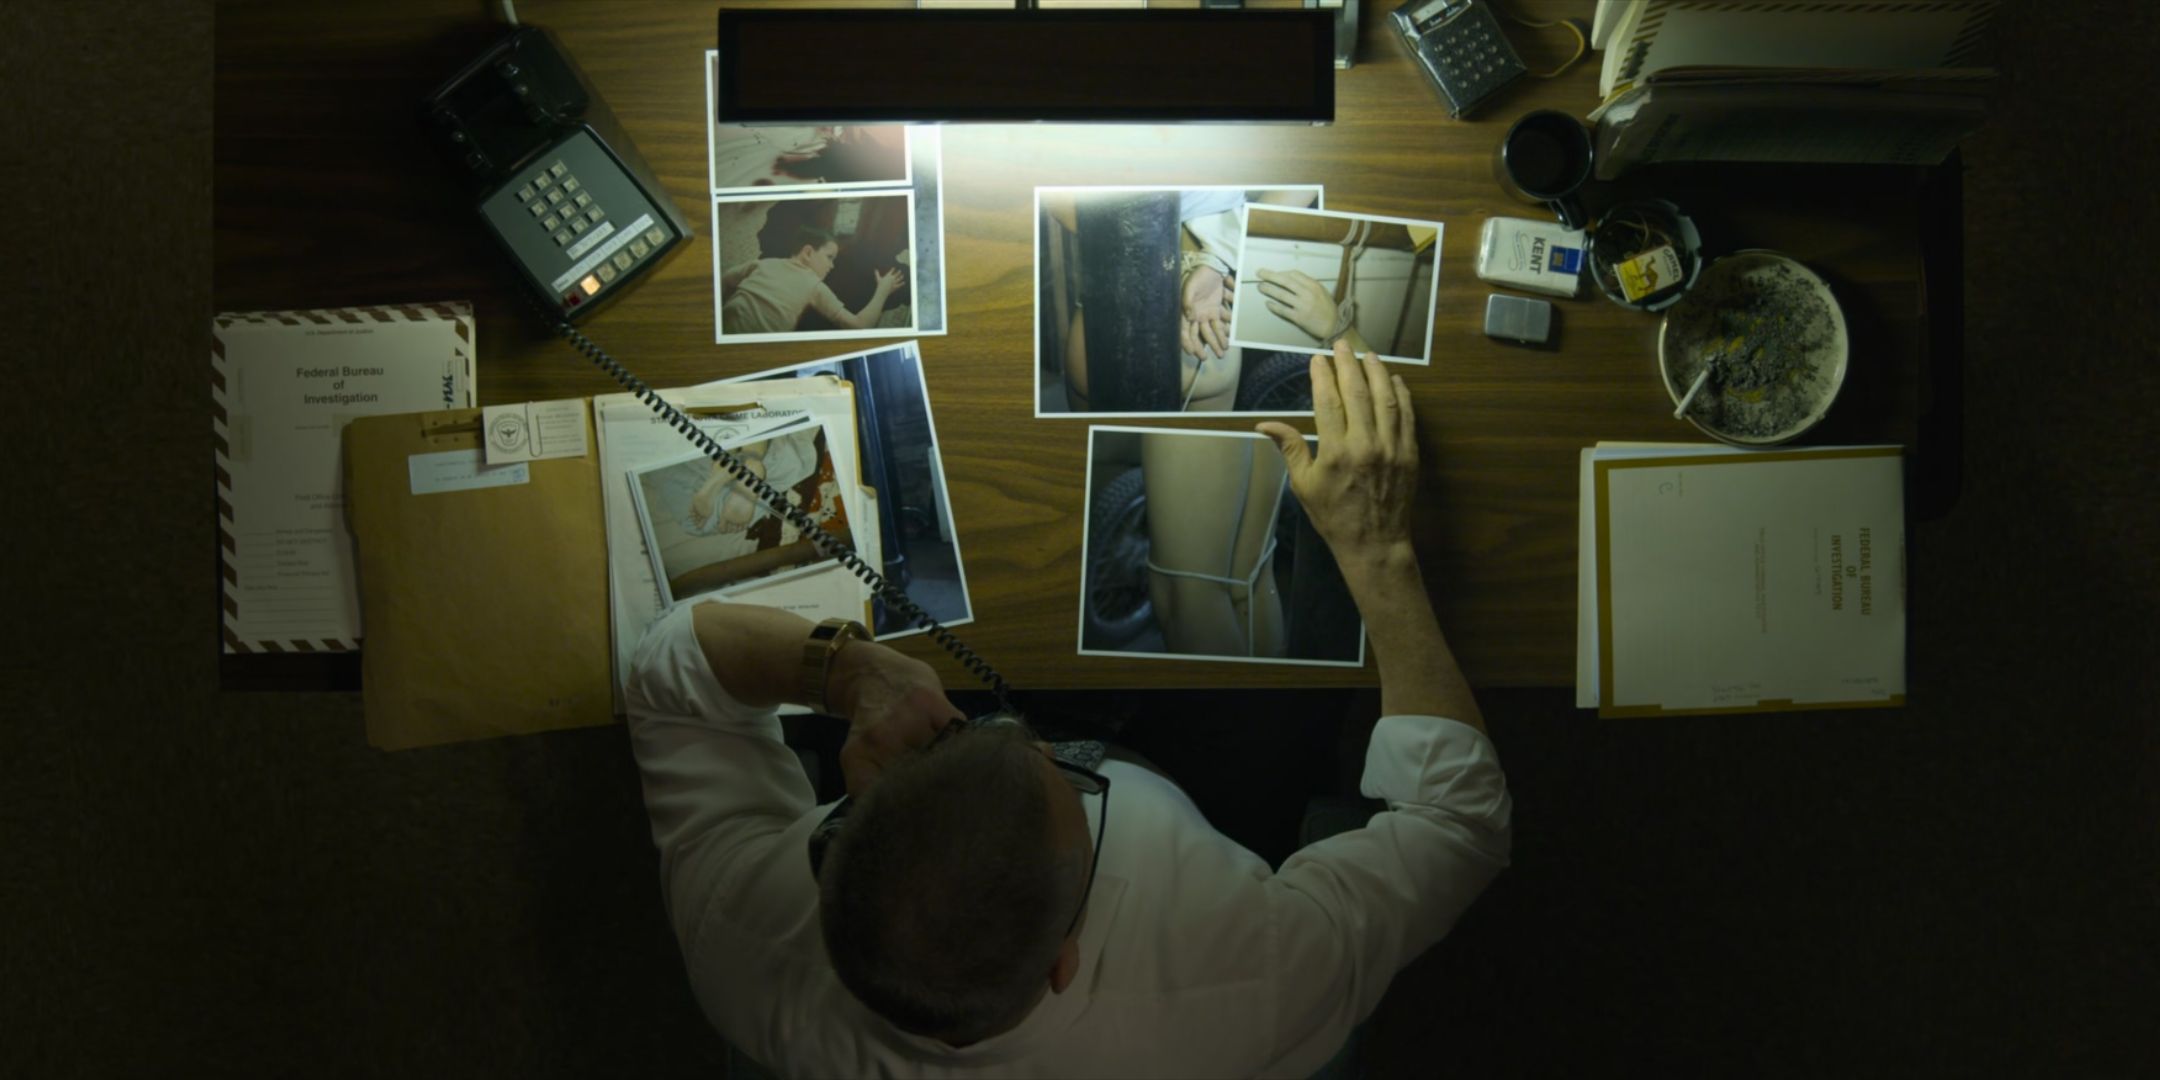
{"type": "Point", "coordinates": [1723, 580]}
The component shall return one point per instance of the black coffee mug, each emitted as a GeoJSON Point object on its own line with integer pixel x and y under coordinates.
{"type": "Point", "coordinates": [1546, 158]}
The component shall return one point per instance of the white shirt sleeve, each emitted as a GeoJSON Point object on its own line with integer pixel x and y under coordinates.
{"type": "Point", "coordinates": [1355, 908]}
{"type": "Point", "coordinates": [720, 785]}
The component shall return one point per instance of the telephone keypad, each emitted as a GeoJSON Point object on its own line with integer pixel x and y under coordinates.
{"type": "Point", "coordinates": [565, 209]}
{"type": "Point", "coordinates": [576, 215]}
{"type": "Point", "coordinates": [1460, 47]}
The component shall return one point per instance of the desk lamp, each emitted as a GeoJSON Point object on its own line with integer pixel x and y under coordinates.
{"type": "Point", "coordinates": [1023, 63]}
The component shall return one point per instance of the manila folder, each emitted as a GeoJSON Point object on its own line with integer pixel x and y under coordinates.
{"type": "Point", "coordinates": [485, 600]}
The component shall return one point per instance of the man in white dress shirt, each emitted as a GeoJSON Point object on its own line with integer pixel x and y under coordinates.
{"type": "Point", "coordinates": [976, 913]}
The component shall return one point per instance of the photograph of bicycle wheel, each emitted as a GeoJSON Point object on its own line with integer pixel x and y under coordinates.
{"type": "Point", "coordinates": [1195, 548]}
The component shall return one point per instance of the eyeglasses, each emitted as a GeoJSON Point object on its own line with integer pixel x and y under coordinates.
{"type": "Point", "coordinates": [1087, 782]}
{"type": "Point", "coordinates": [1084, 781]}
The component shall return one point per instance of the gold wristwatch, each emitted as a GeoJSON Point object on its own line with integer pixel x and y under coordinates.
{"type": "Point", "coordinates": [825, 641]}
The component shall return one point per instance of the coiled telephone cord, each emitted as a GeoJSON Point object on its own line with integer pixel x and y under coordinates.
{"type": "Point", "coordinates": [827, 544]}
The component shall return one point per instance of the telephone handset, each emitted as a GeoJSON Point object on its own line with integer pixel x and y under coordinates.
{"type": "Point", "coordinates": [572, 203]}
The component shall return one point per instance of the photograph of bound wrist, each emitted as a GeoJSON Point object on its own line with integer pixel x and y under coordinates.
{"type": "Point", "coordinates": [1134, 290]}
{"type": "Point", "coordinates": [1313, 278]}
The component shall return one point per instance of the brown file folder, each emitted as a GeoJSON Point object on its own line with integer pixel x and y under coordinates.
{"type": "Point", "coordinates": [484, 611]}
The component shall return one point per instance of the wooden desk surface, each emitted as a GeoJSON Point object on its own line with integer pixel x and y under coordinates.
{"type": "Point", "coordinates": [325, 196]}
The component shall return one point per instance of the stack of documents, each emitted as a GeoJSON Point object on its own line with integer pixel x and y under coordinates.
{"type": "Point", "coordinates": [679, 527]}
{"type": "Point", "coordinates": [1894, 82]}
{"type": "Point", "coordinates": [508, 597]}
{"type": "Point", "coordinates": [1714, 579]}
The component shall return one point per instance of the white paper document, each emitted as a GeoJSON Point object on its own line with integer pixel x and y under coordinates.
{"type": "Point", "coordinates": [461, 470]}
{"type": "Point", "coordinates": [533, 431]}
{"type": "Point", "coordinates": [284, 385]}
{"type": "Point", "coordinates": [1726, 581]}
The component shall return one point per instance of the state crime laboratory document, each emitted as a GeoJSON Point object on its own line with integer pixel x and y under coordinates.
{"type": "Point", "coordinates": [1742, 581]}
{"type": "Point", "coordinates": [284, 385]}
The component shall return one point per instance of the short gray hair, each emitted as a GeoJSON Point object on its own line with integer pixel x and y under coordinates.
{"type": "Point", "coordinates": [943, 898]}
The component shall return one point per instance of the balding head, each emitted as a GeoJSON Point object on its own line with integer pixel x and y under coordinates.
{"type": "Point", "coordinates": [945, 896]}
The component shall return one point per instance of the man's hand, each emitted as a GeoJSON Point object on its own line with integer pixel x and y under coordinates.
{"type": "Point", "coordinates": [894, 705]}
{"type": "Point", "coordinates": [1357, 488]}
{"type": "Point", "coordinates": [1204, 314]}
{"type": "Point", "coordinates": [1295, 296]}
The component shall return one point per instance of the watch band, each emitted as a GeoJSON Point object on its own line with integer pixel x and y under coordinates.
{"type": "Point", "coordinates": [825, 641]}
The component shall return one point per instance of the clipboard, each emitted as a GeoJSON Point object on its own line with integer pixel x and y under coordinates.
{"type": "Point", "coordinates": [460, 647]}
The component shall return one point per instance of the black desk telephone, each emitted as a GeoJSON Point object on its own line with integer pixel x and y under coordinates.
{"type": "Point", "coordinates": [560, 187]}
{"type": "Point", "coordinates": [554, 178]}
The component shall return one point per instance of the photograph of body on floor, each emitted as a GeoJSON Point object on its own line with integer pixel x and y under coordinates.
{"type": "Point", "coordinates": [1196, 548]}
{"type": "Point", "coordinates": [1133, 300]}
{"type": "Point", "coordinates": [708, 531]}
{"type": "Point", "coordinates": [769, 182]}
{"type": "Point", "coordinates": [794, 267]}
{"type": "Point", "coordinates": [1313, 277]}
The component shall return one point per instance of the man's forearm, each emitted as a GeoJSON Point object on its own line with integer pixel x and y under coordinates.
{"type": "Point", "coordinates": [1418, 673]}
{"type": "Point", "coordinates": [755, 651]}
